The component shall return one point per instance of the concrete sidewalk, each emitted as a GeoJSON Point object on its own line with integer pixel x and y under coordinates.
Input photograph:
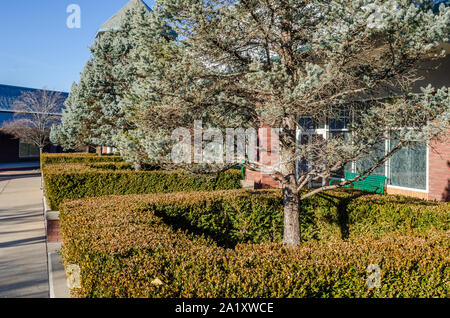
{"type": "Point", "coordinates": [23, 252]}
{"type": "Point", "coordinates": [57, 274]}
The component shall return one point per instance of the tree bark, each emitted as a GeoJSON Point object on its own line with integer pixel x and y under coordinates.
{"type": "Point", "coordinates": [291, 203]}
{"type": "Point", "coordinates": [291, 236]}
{"type": "Point", "coordinates": [40, 158]}
{"type": "Point", "coordinates": [40, 166]}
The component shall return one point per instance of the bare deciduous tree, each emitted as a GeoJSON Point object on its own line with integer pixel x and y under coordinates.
{"type": "Point", "coordinates": [35, 113]}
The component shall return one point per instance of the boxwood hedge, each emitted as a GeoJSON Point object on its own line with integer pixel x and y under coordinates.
{"type": "Point", "coordinates": [48, 158]}
{"type": "Point", "coordinates": [68, 181]}
{"type": "Point", "coordinates": [126, 246]}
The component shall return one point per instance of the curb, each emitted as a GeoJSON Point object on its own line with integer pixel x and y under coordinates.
{"type": "Point", "coordinates": [56, 272]}
{"type": "Point", "coordinates": [52, 228]}
{"type": "Point", "coordinates": [50, 276]}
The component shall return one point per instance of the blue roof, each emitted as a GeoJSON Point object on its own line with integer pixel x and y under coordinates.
{"type": "Point", "coordinates": [5, 116]}
{"type": "Point", "coordinates": [9, 94]}
{"type": "Point", "coordinates": [434, 4]}
{"type": "Point", "coordinates": [437, 3]}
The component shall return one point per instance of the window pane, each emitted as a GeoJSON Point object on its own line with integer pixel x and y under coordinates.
{"type": "Point", "coordinates": [302, 165]}
{"type": "Point", "coordinates": [34, 151]}
{"type": "Point", "coordinates": [368, 162]}
{"type": "Point", "coordinates": [23, 149]}
{"type": "Point", "coordinates": [341, 121]}
{"type": "Point", "coordinates": [307, 124]}
{"type": "Point", "coordinates": [408, 167]}
{"type": "Point", "coordinates": [348, 166]}
{"type": "Point", "coordinates": [28, 150]}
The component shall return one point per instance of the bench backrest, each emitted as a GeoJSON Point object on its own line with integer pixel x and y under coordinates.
{"type": "Point", "coordinates": [373, 183]}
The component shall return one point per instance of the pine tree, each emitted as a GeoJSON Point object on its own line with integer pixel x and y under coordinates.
{"type": "Point", "coordinates": [247, 62]}
{"type": "Point", "coordinates": [152, 45]}
{"type": "Point", "coordinates": [101, 108]}
{"type": "Point", "coordinates": [291, 65]}
{"type": "Point", "coordinates": [93, 115]}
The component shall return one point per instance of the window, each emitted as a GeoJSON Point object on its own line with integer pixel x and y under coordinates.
{"type": "Point", "coordinates": [345, 135]}
{"type": "Point", "coordinates": [302, 165]}
{"type": "Point", "coordinates": [408, 167]}
{"type": "Point", "coordinates": [341, 121]}
{"type": "Point", "coordinates": [28, 150]}
{"type": "Point", "coordinates": [307, 123]}
{"type": "Point", "coordinates": [368, 162]}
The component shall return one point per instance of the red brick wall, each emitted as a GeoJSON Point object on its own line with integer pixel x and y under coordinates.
{"type": "Point", "coordinates": [262, 181]}
{"type": "Point", "coordinates": [266, 156]}
{"type": "Point", "coordinates": [439, 169]}
{"type": "Point", "coordinates": [53, 231]}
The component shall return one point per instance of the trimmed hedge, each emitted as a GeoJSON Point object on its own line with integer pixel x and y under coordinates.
{"type": "Point", "coordinates": [231, 217]}
{"type": "Point", "coordinates": [68, 181]}
{"type": "Point", "coordinates": [124, 243]}
{"type": "Point", "coordinates": [49, 158]}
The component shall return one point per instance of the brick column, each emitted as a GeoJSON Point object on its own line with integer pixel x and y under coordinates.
{"type": "Point", "coordinates": [52, 227]}
{"type": "Point", "coordinates": [439, 169]}
{"type": "Point", "coordinates": [53, 231]}
{"type": "Point", "coordinates": [266, 156]}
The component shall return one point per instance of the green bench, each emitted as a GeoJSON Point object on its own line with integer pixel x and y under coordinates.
{"type": "Point", "coordinates": [373, 183]}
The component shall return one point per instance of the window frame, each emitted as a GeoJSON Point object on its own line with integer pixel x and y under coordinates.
{"type": "Point", "coordinates": [327, 131]}
{"type": "Point", "coordinates": [29, 155]}
{"type": "Point", "coordinates": [388, 171]}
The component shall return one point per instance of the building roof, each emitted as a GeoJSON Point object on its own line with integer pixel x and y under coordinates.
{"type": "Point", "coordinates": [115, 21]}
{"type": "Point", "coordinates": [436, 4]}
{"type": "Point", "coordinates": [9, 94]}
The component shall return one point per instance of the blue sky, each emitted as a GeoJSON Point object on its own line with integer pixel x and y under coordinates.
{"type": "Point", "coordinates": [38, 50]}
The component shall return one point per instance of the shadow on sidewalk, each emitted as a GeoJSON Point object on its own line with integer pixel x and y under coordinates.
{"type": "Point", "coordinates": [27, 241]}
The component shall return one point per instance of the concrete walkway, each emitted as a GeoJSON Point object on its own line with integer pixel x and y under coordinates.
{"type": "Point", "coordinates": [23, 252]}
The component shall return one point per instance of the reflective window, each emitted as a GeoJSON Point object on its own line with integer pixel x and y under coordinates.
{"type": "Point", "coordinates": [307, 124]}
{"type": "Point", "coordinates": [348, 166]}
{"type": "Point", "coordinates": [341, 121]}
{"type": "Point", "coordinates": [368, 162]}
{"type": "Point", "coordinates": [408, 167]}
{"type": "Point", "coordinates": [28, 150]}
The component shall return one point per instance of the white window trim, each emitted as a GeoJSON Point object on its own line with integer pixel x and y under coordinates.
{"type": "Point", "coordinates": [326, 131]}
{"type": "Point", "coordinates": [427, 179]}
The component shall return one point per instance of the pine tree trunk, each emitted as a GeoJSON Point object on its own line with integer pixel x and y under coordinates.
{"type": "Point", "coordinates": [291, 199]}
{"type": "Point", "coordinates": [291, 202]}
